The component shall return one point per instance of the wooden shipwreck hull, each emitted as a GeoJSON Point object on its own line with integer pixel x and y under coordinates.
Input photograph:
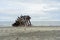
{"type": "Point", "coordinates": [22, 21]}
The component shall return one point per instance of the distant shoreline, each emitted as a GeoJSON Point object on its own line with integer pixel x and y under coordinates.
{"type": "Point", "coordinates": [31, 26]}
{"type": "Point", "coordinates": [28, 26]}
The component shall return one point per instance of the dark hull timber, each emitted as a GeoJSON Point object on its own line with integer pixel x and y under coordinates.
{"type": "Point", "coordinates": [22, 21]}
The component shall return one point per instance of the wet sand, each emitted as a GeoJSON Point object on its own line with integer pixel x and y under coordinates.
{"type": "Point", "coordinates": [30, 33]}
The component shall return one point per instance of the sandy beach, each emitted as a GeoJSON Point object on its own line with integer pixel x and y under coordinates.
{"type": "Point", "coordinates": [29, 33]}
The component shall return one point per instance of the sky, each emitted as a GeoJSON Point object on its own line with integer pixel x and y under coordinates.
{"type": "Point", "coordinates": [39, 10]}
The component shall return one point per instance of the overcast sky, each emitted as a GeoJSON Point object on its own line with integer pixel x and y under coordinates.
{"type": "Point", "coordinates": [39, 10]}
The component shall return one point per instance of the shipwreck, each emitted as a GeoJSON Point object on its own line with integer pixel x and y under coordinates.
{"type": "Point", "coordinates": [22, 21]}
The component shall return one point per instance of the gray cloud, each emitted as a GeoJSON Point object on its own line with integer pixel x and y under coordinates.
{"type": "Point", "coordinates": [37, 9]}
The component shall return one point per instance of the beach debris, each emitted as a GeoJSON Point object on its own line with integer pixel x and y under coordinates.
{"type": "Point", "coordinates": [22, 21]}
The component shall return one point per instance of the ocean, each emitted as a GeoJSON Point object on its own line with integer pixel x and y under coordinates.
{"type": "Point", "coordinates": [35, 23]}
{"type": "Point", "coordinates": [46, 23]}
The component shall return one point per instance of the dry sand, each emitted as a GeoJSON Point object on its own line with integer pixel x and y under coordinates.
{"type": "Point", "coordinates": [30, 33]}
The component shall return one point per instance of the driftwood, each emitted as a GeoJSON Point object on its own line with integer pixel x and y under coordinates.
{"type": "Point", "coordinates": [22, 21]}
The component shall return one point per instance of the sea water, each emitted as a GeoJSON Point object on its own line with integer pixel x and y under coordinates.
{"type": "Point", "coordinates": [46, 23]}
{"type": "Point", "coordinates": [35, 23]}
